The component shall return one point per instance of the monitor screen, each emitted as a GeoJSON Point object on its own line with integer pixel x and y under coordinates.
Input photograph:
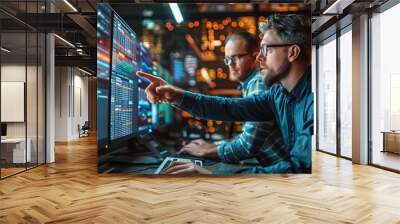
{"type": "Point", "coordinates": [148, 113]}
{"type": "Point", "coordinates": [155, 112]}
{"type": "Point", "coordinates": [145, 116]}
{"type": "Point", "coordinates": [165, 115]}
{"type": "Point", "coordinates": [125, 63]}
{"type": "Point", "coordinates": [179, 75]}
{"type": "Point", "coordinates": [146, 59]}
{"type": "Point", "coordinates": [190, 64]}
{"type": "Point", "coordinates": [177, 68]}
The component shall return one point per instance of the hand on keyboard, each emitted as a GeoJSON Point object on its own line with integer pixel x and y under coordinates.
{"type": "Point", "coordinates": [185, 167]}
{"type": "Point", "coordinates": [200, 148]}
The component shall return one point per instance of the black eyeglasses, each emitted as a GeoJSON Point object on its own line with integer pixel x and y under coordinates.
{"type": "Point", "coordinates": [264, 47]}
{"type": "Point", "coordinates": [234, 58]}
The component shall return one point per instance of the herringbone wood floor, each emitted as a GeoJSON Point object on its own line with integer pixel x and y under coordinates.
{"type": "Point", "coordinates": [71, 191]}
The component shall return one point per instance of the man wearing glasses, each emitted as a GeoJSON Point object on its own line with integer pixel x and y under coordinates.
{"type": "Point", "coordinates": [241, 50]}
{"type": "Point", "coordinates": [285, 59]}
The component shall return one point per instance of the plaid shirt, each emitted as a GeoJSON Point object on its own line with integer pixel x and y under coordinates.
{"type": "Point", "coordinates": [260, 140]}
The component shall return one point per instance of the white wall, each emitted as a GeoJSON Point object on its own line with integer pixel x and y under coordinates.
{"type": "Point", "coordinates": [33, 127]}
{"type": "Point", "coordinates": [61, 104]}
{"type": "Point", "coordinates": [81, 110]}
{"type": "Point", "coordinates": [71, 102]}
{"type": "Point", "coordinates": [16, 73]}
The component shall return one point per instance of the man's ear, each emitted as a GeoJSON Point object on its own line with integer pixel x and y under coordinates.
{"type": "Point", "coordinates": [294, 52]}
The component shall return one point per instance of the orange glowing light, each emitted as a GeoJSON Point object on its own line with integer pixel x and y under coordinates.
{"type": "Point", "coordinates": [121, 55]}
{"type": "Point", "coordinates": [186, 115]}
{"type": "Point", "coordinates": [103, 57]}
{"type": "Point", "coordinates": [212, 85]}
{"type": "Point", "coordinates": [211, 129]}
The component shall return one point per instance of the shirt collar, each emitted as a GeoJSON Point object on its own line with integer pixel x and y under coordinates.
{"type": "Point", "coordinates": [302, 85]}
{"type": "Point", "coordinates": [247, 80]}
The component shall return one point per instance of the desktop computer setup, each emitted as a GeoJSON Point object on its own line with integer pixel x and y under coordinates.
{"type": "Point", "coordinates": [129, 120]}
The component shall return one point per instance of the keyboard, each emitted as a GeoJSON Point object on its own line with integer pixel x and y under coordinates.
{"type": "Point", "coordinates": [135, 159]}
{"type": "Point", "coordinates": [168, 160]}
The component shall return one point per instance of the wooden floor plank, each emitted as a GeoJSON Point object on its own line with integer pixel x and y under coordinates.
{"type": "Point", "coordinates": [71, 191]}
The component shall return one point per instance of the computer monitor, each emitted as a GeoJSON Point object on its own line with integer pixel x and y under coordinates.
{"type": "Point", "coordinates": [124, 82]}
{"type": "Point", "coordinates": [145, 111]}
{"type": "Point", "coordinates": [148, 113]}
{"type": "Point", "coordinates": [146, 59]}
{"type": "Point", "coordinates": [178, 71]}
{"type": "Point", "coordinates": [3, 130]}
{"type": "Point", "coordinates": [104, 30]}
{"type": "Point", "coordinates": [190, 64]}
{"type": "Point", "coordinates": [155, 114]}
{"type": "Point", "coordinates": [165, 113]}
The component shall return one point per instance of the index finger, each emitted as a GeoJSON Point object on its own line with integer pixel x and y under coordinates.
{"type": "Point", "coordinates": [197, 141]}
{"type": "Point", "coordinates": [182, 151]}
{"type": "Point", "coordinates": [148, 76]}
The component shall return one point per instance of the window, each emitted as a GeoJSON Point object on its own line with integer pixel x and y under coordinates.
{"type": "Point", "coordinates": [346, 93]}
{"type": "Point", "coordinates": [327, 95]}
{"type": "Point", "coordinates": [22, 75]}
{"type": "Point", "coordinates": [385, 87]}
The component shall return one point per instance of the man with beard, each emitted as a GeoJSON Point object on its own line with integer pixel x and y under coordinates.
{"type": "Point", "coordinates": [285, 54]}
{"type": "Point", "coordinates": [241, 50]}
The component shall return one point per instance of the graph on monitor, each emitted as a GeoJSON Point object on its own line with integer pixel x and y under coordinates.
{"type": "Point", "coordinates": [125, 62]}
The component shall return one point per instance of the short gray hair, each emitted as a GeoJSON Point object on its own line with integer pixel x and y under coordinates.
{"type": "Point", "coordinates": [291, 28]}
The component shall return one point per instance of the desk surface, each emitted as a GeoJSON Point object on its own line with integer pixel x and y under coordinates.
{"type": "Point", "coordinates": [391, 132]}
{"type": "Point", "coordinates": [139, 169]}
{"type": "Point", "coordinates": [213, 166]}
{"type": "Point", "coordinates": [13, 140]}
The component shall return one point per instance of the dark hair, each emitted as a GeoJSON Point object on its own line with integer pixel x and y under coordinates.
{"type": "Point", "coordinates": [291, 28]}
{"type": "Point", "coordinates": [250, 39]}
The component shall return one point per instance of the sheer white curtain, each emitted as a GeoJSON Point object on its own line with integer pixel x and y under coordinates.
{"type": "Point", "coordinates": [327, 96]}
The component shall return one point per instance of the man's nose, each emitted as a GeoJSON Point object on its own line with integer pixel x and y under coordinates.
{"type": "Point", "coordinates": [260, 57]}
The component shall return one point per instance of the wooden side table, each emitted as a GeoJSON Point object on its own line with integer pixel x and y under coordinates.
{"type": "Point", "coordinates": [391, 141]}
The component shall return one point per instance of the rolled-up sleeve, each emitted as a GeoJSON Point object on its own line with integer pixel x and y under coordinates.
{"type": "Point", "coordinates": [252, 108]}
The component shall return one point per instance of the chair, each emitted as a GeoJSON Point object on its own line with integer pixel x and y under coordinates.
{"type": "Point", "coordinates": [84, 130]}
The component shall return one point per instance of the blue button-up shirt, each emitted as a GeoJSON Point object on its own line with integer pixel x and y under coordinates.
{"type": "Point", "coordinates": [293, 111]}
